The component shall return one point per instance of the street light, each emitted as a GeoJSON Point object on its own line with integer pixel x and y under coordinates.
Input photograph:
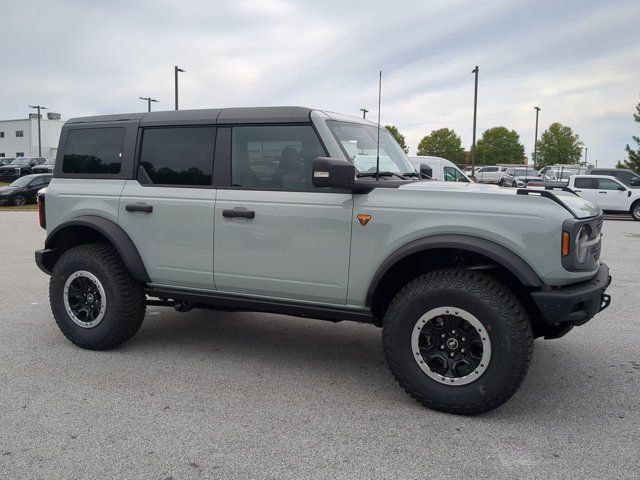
{"type": "Point", "coordinates": [148, 100]}
{"type": "Point", "coordinates": [176, 69]}
{"type": "Point", "coordinates": [38, 107]}
{"type": "Point", "coordinates": [364, 112]}
{"type": "Point", "coordinates": [586, 156]}
{"type": "Point", "coordinates": [535, 141]}
{"type": "Point", "coordinates": [475, 111]}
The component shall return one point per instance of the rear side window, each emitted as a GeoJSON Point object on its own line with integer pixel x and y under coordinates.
{"type": "Point", "coordinates": [94, 151]}
{"type": "Point", "coordinates": [585, 183]}
{"type": "Point", "coordinates": [178, 155]}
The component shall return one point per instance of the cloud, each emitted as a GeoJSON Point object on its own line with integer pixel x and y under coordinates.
{"type": "Point", "coordinates": [578, 60]}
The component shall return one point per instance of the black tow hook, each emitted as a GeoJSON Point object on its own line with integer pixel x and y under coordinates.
{"type": "Point", "coordinates": [181, 306]}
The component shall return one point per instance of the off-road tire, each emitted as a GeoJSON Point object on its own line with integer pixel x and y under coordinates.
{"type": "Point", "coordinates": [126, 300]}
{"type": "Point", "coordinates": [499, 311]}
{"type": "Point", "coordinates": [635, 210]}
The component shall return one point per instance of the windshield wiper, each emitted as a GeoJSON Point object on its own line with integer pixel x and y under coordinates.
{"type": "Point", "coordinates": [379, 174]}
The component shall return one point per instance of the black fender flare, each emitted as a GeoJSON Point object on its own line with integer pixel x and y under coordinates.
{"type": "Point", "coordinates": [108, 229]}
{"type": "Point", "coordinates": [496, 252]}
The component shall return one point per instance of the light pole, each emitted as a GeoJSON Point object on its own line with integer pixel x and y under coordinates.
{"type": "Point", "coordinates": [176, 69]}
{"type": "Point", "coordinates": [148, 100]}
{"type": "Point", "coordinates": [364, 112]}
{"type": "Point", "coordinates": [38, 107]}
{"type": "Point", "coordinates": [535, 141]}
{"type": "Point", "coordinates": [475, 111]}
{"type": "Point", "coordinates": [586, 156]}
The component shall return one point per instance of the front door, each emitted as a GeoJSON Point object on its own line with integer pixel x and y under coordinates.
{"type": "Point", "coordinates": [613, 195]}
{"type": "Point", "coordinates": [275, 234]}
{"type": "Point", "coordinates": [168, 211]}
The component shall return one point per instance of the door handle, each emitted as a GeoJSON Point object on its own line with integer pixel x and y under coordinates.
{"type": "Point", "coordinates": [238, 212]}
{"type": "Point", "coordinates": [139, 207]}
{"type": "Point", "coordinates": [602, 192]}
{"type": "Point", "coordinates": [579, 191]}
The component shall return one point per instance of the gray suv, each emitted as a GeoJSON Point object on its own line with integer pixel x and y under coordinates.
{"type": "Point", "coordinates": [314, 214]}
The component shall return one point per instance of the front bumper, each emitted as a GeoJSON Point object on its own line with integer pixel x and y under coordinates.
{"type": "Point", "coordinates": [575, 304]}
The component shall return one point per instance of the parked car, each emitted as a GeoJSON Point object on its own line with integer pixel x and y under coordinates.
{"type": "Point", "coordinates": [625, 175]}
{"type": "Point", "coordinates": [438, 168]}
{"type": "Point", "coordinates": [490, 174]}
{"type": "Point", "coordinates": [608, 192]}
{"type": "Point", "coordinates": [19, 167]}
{"type": "Point", "coordinates": [24, 190]}
{"type": "Point", "coordinates": [46, 167]}
{"type": "Point", "coordinates": [282, 209]}
{"type": "Point", "coordinates": [519, 177]}
{"type": "Point", "coordinates": [5, 160]}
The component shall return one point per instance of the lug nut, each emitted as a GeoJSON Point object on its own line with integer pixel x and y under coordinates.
{"type": "Point", "coordinates": [462, 350]}
{"type": "Point", "coordinates": [463, 339]}
{"type": "Point", "coordinates": [442, 336]}
{"type": "Point", "coordinates": [441, 347]}
{"type": "Point", "coordinates": [453, 332]}
{"type": "Point", "coordinates": [452, 354]}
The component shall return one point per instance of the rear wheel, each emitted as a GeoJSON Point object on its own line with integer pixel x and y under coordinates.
{"type": "Point", "coordinates": [635, 210]}
{"type": "Point", "coordinates": [458, 341]}
{"type": "Point", "coordinates": [95, 301]}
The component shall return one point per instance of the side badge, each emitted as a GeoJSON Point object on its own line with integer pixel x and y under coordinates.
{"type": "Point", "coordinates": [363, 219]}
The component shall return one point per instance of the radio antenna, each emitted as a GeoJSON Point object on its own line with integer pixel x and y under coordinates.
{"type": "Point", "coordinates": [378, 150]}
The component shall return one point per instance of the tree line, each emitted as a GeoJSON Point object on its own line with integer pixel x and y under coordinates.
{"type": "Point", "coordinates": [499, 145]}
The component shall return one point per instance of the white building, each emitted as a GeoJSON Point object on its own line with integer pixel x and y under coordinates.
{"type": "Point", "coordinates": [19, 138]}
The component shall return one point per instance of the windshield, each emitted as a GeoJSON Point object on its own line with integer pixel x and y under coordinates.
{"type": "Point", "coordinates": [360, 144]}
{"type": "Point", "coordinates": [21, 182]}
{"type": "Point", "coordinates": [51, 161]}
{"type": "Point", "coordinates": [20, 162]}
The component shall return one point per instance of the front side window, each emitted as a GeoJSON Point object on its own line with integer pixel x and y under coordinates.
{"type": "Point", "coordinates": [94, 151]}
{"type": "Point", "coordinates": [274, 157]}
{"type": "Point", "coordinates": [178, 155]}
{"type": "Point", "coordinates": [606, 184]}
{"type": "Point", "coordinates": [359, 142]}
{"type": "Point", "coordinates": [19, 133]}
{"type": "Point", "coordinates": [452, 174]}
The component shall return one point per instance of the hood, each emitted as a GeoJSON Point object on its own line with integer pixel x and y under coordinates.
{"type": "Point", "coordinates": [580, 207]}
{"type": "Point", "coordinates": [5, 190]}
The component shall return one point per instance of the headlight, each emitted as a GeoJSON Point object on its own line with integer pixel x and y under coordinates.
{"type": "Point", "coordinates": [580, 248]}
{"type": "Point", "coordinates": [582, 243]}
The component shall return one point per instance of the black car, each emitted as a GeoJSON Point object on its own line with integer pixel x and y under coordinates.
{"type": "Point", "coordinates": [19, 167]}
{"type": "Point", "coordinates": [626, 176]}
{"type": "Point", "coordinates": [24, 189]}
{"type": "Point", "coordinates": [46, 167]}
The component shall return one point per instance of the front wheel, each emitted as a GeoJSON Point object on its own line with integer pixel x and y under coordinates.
{"type": "Point", "coordinates": [19, 200]}
{"type": "Point", "coordinates": [635, 211]}
{"type": "Point", "coordinates": [94, 299]}
{"type": "Point", "coordinates": [458, 341]}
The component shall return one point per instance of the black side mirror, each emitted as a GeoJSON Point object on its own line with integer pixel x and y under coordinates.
{"type": "Point", "coordinates": [622, 189]}
{"type": "Point", "coordinates": [426, 170]}
{"type": "Point", "coordinates": [333, 172]}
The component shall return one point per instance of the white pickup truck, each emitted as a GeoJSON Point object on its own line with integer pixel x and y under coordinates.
{"type": "Point", "coordinates": [608, 192]}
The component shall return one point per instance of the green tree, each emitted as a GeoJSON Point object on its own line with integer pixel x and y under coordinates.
{"type": "Point", "coordinates": [633, 156]}
{"type": "Point", "coordinates": [500, 145]}
{"type": "Point", "coordinates": [443, 143]}
{"type": "Point", "coordinates": [558, 144]}
{"type": "Point", "coordinates": [398, 136]}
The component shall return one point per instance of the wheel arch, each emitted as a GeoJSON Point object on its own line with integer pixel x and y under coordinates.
{"type": "Point", "coordinates": [90, 229]}
{"type": "Point", "coordinates": [423, 254]}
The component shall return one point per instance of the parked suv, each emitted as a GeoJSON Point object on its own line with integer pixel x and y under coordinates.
{"type": "Point", "coordinates": [490, 174]}
{"type": "Point", "coordinates": [625, 175]}
{"type": "Point", "coordinates": [302, 212]}
{"type": "Point", "coordinates": [18, 167]}
{"type": "Point", "coordinates": [607, 192]}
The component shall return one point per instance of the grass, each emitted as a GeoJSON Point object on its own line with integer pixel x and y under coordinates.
{"type": "Point", "coordinates": [3, 184]}
{"type": "Point", "coordinates": [6, 208]}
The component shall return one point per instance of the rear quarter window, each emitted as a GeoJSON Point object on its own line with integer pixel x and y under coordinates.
{"type": "Point", "coordinates": [94, 151]}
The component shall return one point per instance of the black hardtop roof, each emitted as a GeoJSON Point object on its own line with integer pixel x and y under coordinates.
{"type": "Point", "coordinates": [227, 116]}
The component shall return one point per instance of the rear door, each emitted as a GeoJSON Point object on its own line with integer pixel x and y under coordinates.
{"type": "Point", "coordinates": [276, 235]}
{"type": "Point", "coordinates": [168, 209]}
{"type": "Point", "coordinates": [587, 189]}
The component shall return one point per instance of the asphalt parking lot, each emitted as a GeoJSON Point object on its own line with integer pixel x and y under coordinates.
{"type": "Point", "coordinates": [235, 395]}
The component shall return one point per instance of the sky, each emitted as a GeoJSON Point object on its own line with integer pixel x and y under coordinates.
{"type": "Point", "coordinates": [578, 60]}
